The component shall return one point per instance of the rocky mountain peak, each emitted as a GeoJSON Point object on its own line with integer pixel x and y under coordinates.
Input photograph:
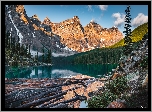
{"type": "Point", "coordinates": [47, 21]}
{"type": "Point", "coordinates": [35, 16]}
{"type": "Point", "coordinates": [71, 32]}
{"type": "Point", "coordinates": [20, 9]}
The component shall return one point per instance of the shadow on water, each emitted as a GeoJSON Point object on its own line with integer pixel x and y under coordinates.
{"type": "Point", "coordinates": [59, 71]}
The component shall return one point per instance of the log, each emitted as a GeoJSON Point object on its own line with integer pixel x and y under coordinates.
{"type": "Point", "coordinates": [69, 82]}
{"type": "Point", "coordinates": [34, 96]}
{"type": "Point", "coordinates": [77, 97]}
{"type": "Point", "coordinates": [61, 105]}
{"type": "Point", "coordinates": [49, 102]}
{"type": "Point", "coordinates": [37, 102]}
{"type": "Point", "coordinates": [10, 94]}
{"type": "Point", "coordinates": [81, 98]}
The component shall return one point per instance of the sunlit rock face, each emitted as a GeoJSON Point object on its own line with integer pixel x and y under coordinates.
{"type": "Point", "coordinates": [68, 36]}
{"type": "Point", "coordinates": [101, 37]}
{"type": "Point", "coordinates": [86, 38]}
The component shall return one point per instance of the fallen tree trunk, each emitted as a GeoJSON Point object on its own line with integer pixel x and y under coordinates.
{"type": "Point", "coordinates": [49, 102]}
{"type": "Point", "coordinates": [37, 102]}
{"type": "Point", "coordinates": [77, 97]}
{"type": "Point", "coordinates": [31, 97]}
{"type": "Point", "coordinates": [67, 101]}
{"type": "Point", "coordinates": [61, 105]}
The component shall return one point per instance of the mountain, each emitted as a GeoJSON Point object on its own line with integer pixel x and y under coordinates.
{"type": "Point", "coordinates": [65, 38]}
{"type": "Point", "coordinates": [86, 38]}
{"type": "Point", "coordinates": [32, 31]}
{"type": "Point", "coordinates": [110, 54]}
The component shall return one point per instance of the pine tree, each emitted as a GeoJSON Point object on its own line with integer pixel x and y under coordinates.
{"type": "Point", "coordinates": [48, 59]}
{"type": "Point", "coordinates": [37, 57]}
{"type": "Point", "coordinates": [22, 50]}
{"type": "Point", "coordinates": [29, 53]}
{"type": "Point", "coordinates": [43, 55]}
{"type": "Point", "coordinates": [26, 51]}
{"type": "Point", "coordinates": [127, 39]}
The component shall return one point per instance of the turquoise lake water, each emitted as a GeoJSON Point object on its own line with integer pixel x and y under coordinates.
{"type": "Point", "coordinates": [59, 71]}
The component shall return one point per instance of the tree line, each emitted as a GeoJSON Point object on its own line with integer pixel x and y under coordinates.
{"type": "Point", "coordinates": [96, 56]}
{"type": "Point", "coordinates": [17, 54]}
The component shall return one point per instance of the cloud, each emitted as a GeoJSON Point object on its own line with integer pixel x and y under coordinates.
{"type": "Point", "coordinates": [92, 20]}
{"type": "Point", "coordinates": [77, 9]}
{"type": "Point", "coordinates": [82, 12]}
{"type": "Point", "coordinates": [89, 7]}
{"type": "Point", "coordinates": [103, 7]}
{"type": "Point", "coordinates": [140, 19]}
{"type": "Point", "coordinates": [119, 19]}
{"type": "Point", "coordinates": [61, 54]}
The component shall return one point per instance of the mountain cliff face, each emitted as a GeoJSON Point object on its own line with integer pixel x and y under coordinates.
{"type": "Point", "coordinates": [32, 32]}
{"type": "Point", "coordinates": [86, 38]}
{"type": "Point", "coordinates": [65, 37]}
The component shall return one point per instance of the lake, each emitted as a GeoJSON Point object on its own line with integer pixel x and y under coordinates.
{"type": "Point", "coordinates": [59, 71]}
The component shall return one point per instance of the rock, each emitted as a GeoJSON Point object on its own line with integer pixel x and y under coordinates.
{"type": "Point", "coordinates": [70, 106]}
{"type": "Point", "coordinates": [113, 70]}
{"type": "Point", "coordinates": [102, 79]}
{"type": "Point", "coordinates": [145, 82]}
{"type": "Point", "coordinates": [20, 9]}
{"type": "Point", "coordinates": [116, 104]}
{"type": "Point", "coordinates": [35, 16]}
{"type": "Point", "coordinates": [115, 75]}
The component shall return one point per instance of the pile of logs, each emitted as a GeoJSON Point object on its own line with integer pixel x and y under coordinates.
{"type": "Point", "coordinates": [49, 95]}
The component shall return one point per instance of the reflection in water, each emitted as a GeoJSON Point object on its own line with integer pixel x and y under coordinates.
{"type": "Point", "coordinates": [59, 71]}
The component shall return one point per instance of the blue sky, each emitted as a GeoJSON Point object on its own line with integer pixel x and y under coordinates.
{"type": "Point", "coordinates": [105, 15]}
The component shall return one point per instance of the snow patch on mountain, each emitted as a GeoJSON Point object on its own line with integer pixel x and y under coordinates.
{"type": "Point", "coordinates": [33, 53]}
{"type": "Point", "coordinates": [33, 35]}
{"type": "Point", "coordinates": [57, 45]}
{"type": "Point", "coordinates": [19, 34]}
{"type": "Point", "coordinates": [21, 37]}
{"type": "Point", "coordinates": [66, 48]}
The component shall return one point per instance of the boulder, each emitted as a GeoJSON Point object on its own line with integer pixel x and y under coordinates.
{"type": "Point", "coordinates": [116, 104]}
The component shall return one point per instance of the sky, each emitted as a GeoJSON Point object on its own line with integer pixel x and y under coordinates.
{"type": "Point", "coordinates": [106, 16]}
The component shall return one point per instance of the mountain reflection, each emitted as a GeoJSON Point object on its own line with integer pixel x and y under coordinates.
{"type": "Point", "coordinates": [59, 71]}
